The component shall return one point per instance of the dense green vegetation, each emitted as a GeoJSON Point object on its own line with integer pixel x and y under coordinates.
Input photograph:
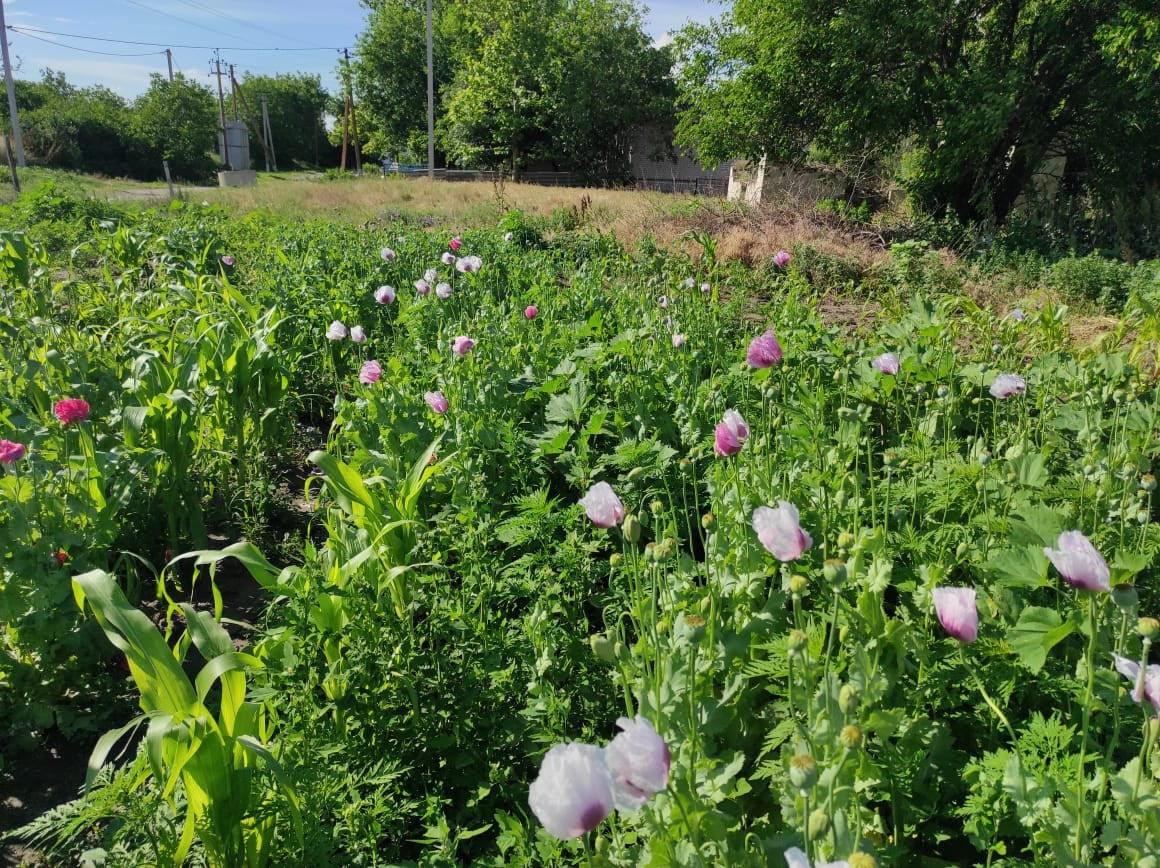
{"type": "Point", "coordinates": [775, 507]}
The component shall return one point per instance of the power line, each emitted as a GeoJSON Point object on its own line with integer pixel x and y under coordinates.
{"type": "Point", "coordinates": [179, 18]}
{"type": "Point", "coordinates": [28, 31]}
{"type": "Point", "coordinates": [221, 13]}
{"type": "Point", "coordinates": [89, 50]}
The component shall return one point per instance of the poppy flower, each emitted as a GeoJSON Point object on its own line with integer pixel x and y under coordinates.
{"type": "Point", "coordinates": [638, 760]}
{"type": "Point", "coordinates": [385, 295]}
{"type": "Point", "coordinates": [462, 345]}
{"type": "Point", "coordinates": [1006, 385]}
{"type": "Point", "coordinates": [780, 531]}
{"type": "Point", "coordinates": [603, 506]}
{"type": "Point", "coordinates": [370, 373]}
{"type": "Point", "coordinates": [436, 402]}
{"type": "Point", "coordinates": [71, 410]}
{"type": "Point", "coordinates": [1079, 563]}
{"type": "Point", "coordinates": [887, 363]}
{"type": "Point", "coordinates": [11, 452]}
{"type": "Point", "coordinates": [572, 794]}
{"type": "Point", "coordinates": [336, 332]}
{"type": "Point", "coordinates": [956, 611]}
{"type": "Point", "coordinates": [764, 351]}
{"type": "Point", "coordinates": [731, 434]}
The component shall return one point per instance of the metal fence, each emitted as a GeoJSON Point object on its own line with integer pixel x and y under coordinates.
{"type": "Point", "coordinates": [702, 186]}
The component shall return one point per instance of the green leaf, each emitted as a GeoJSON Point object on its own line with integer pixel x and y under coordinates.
{"type": "Point", "coordinates": [1037, 632]}
{"type": "Point", "coordinates": [1019, 568]}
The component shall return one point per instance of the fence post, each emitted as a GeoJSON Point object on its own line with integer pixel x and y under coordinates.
{"type": "Point", "coordinates": [168, 179]}
{"type": "Point", "coordinates": [11, 163]}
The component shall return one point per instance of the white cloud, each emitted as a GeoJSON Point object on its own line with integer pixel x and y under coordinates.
{"type": "Point", "coordinates": [128, 79]}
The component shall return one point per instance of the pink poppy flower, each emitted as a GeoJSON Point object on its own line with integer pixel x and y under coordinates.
{"type": "Point", "coordinates": [422, 287]}
{"type": "Point", "coordinates": [887, 363]}
{"type": "Point", "coordinates": [431, 275]}
{"type": "Point", "coordinates": [731, 434]}
{"type": "Point", "coordinates": [385, 295]}
{"type": "Point", "coordinates": [370, 373]}
{"type": "Point", "coordinates": [468, 264]}
{"type": "Point", "coordinates": [781, 259]}
{"type": "Point", "coordinates": [572, 794]}
{"type": "Point", "coordinates": [336, 332]}
{"type": "Point", "coordinates": [706, 287]}
{"type": "Point", "coordinates": [71, 410]}
{"type": "Point", "coordinates": [531, 311]}
{"type": "Point", "coordinates": [436, 402]}
{"type": "Point", "coordinates": [1006, 385]}
{"type": "Point", "coordinates": [358, 335]}
{"type": "Point", "coordinates": [447, 258]}
{"type": "Point", "coordinates": [228, 261]}
{"type": "Point", "coordinates": [663, 301]}
{"type": "Point", "coordinates": [602, 505]}
{"type": "Point", "coordinates": [678, 340]}
{"type": "Point", "coordinates": [638, 761]}
{"type": "Point", "coordinates": [508, 236]}
{"type": "Point", "coordinates": [455, 244]}
{"type": "Point", "coordinates": [1079, 563]}
{"type": "Point", "coordinates": [11, 452]}
{"type": "Point", "coordinates": [462, 345]}
{"type": "Point", "coordinates": [780, 531]}
{"type": "Point", "coordinates": [443, 290]}
{"type": "Point", "coordinates": [387, 254]}
{"type": "Point", "coordinates": [1147, 687]}
{"type": "Point", "coordinates": [956, 611]}
{"type": "Point", "coordinates": [764, 351]}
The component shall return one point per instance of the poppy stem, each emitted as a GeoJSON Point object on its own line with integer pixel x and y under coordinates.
{"type": "Point", "coordinates": [1087, 713]}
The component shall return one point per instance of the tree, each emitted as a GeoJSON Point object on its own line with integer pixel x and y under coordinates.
{"type": "Point", "coordinates": [296, 103]}
{"type": "Point", "coordinates": [983, 92]}
{"type": "Point", "coordinates": [175, 121]}
{"type": "Point", "coordinates": [390, 72]}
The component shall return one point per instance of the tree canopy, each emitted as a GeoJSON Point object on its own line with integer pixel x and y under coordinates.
{"type": "Point", "coordinates": [982, 93]}
{"type": "Point", "coordinates": [521, 83]}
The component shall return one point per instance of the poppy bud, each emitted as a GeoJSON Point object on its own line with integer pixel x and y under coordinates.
{"type": "Point", "coordinates": [708, 521]}
{"type": "Point", "coordinates": [835, 572]}
{"type": "Point", "coordinates": [803, 771]}
{"type": "Point", "coordinates": [602, 647]}
{"type": "Point", "coordinates": [631, 528]}
{"type": "Point", "coordinates": [845, 539]}
{"type": "Point", "coordinates": [848, 699]}
{"type": "Point", "coordinates": [1149, 627]}
{"type": "Point", "coordinates": [798, 640]}
{"type": "Point", "coordinates": [850, 737]}
{"type": "Point", "coordinates": [863, 860]}
{"type": "Point", "coordinates": [798, 585]}
{"type": "Point", "coordinates": [818, 824]}
{"type": "Point", "coordinates": [1126, 598]}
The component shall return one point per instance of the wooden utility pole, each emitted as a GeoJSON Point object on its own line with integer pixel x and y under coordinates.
{"type": "Point", "coordinates": [11, 164]}
{"type": "Point", "coordinates": [11, 91]}
{"type": "Point", "coordinates": [268, 135]}
{"type": "Point", "coordinates": [224, 149]}
{"type": "Point", "coordinates": [169, 60]}
{"type": "Point", "coordinates": [234, 91]}
{"type": "Point", "coordinates": [353, 120]}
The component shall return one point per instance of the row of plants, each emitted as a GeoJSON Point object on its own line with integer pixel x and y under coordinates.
{"type": "Point", "coordinates": [594, 555]}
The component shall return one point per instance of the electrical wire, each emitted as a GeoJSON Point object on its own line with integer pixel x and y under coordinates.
{"type": "Point", "coordinates": [28, 31]}
{"type": "Point", "coordinates": [206, 27]}
{"type": "Point", "coordinates": [221, 13]}
{"type": "Point", "coordinates": [91, 50]}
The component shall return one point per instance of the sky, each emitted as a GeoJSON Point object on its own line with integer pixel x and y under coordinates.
{"type": "Point", "coordinates": [308, 37]}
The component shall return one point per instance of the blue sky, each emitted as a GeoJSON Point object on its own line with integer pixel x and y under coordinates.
{"type": "Point", "coordinates": [288, 25]}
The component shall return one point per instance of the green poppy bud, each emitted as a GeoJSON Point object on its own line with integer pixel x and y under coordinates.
{"type": "Point", "coordinates": [798, 585]}
{"type": "Point", "coordinates": [708, 521]}
{"type": "Point", "coordinates": [602, 647]}
{"type": "Point", "coordinates": [850, 737]}
{"type": "Point", "coordinates": [1126, 598]}
{"type": "Point", "coordinates": [848, 699]}
{"type": "Point", "coordinates": [835, 572]}
{"type": "Point", "coordinates": [1149, 627]}
{"type": "Point", "coordinates": [863, 860]}
{"type": "Point", "coordinates": [818, 824]}
{"type": "Point", "coordinates": [798, 640]}
{"type": "Point", "coordinates": [845, 539]}
{"type": "Point", "coordinates": [631, 528]}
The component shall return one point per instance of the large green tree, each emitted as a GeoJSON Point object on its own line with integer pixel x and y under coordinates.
{"type": "Point", "coordinates": [73, 128]}
{"type": "Point", "coordinates": [982, 92]}
{"type": "Point", "coordinates": [296, 103]}
{"type": "Point", "coordinates": [520, 83]}
{"type": "Point", "coordinates": [176, 121]}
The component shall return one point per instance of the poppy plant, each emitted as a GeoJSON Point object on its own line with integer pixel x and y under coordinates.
{"type": "Point", "coordinates": [71, 411]}
{"type": "Point", "coordinates": [436, 402]}
{"type": "Point", "coordinates": [370, 373]}
{"type": "Point", "coordinates": [462, 345]}
{"type": "Point", "coordinates": [1007, 385]}
{"type": "Point", "coordinates": [638, 760]}
{"type": "Point", "coordinates": [572, 794]}
{"type": "Point", "coordinates": [602, 505]}
{"type": "Point", "coordinates": [11, 452]}
{"type": "Point", "coordinates": [731, 434]}
{"type": "Point", "coordinates": [1079, 563]}
{"type": "Point", "coordinates": [780, 531]}
{"type": "Point", "coordinates": [887, 363]}
{"type": "Point", "coordinates": [956, 611]}
{"type": "Point", "coordinates": [764, 351]}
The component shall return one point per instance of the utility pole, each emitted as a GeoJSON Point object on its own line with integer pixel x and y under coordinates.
{"type": "Point", "coordinates": [430, 96]}
{"type": "Point", "coordinates": [268, 136]}
{"type": "Point", "coordinates": [353, 119]}
{"type": "Point", "coordinates": [234, 91]}
{"type": "Point", "coordinates": [223, 150]}
{"type": "Point", "coordinates": [11, 90]}
{"type": "Point", "coordinates": [169, 60]}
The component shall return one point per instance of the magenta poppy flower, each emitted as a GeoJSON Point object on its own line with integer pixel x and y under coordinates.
{"type": "Point", "coordinates": [462, 345]}
{"type": "Point", "coordinates": [781, 259]}
{"type": "Point", "coordinates": [370, 373]}
{"type": "Point", "coordinates": [1006, 385]}
{"type": "Point", "coordinates": [780, 531]}
{"type": "Point", "coordinates": [731, 434]}
{"type": "Point", "coordinates": [387, 254]}
{"type": "Point", "coordinates": [638, 761]}
{"type": "Point", "coordinates": [1147, 687]}
{"type": "Point", "coordinates": [385, 295]}
{"type": "Point", "coordinates": [71, 411]}
{"type": "Point", "coordinates": [336, 332]}
{"type": "Point", "coordinates": [572, 794]}
{"type": "Point", "coordinates": [443, 290]}
{"type": "Point", "coordinates": [531, 311]}
{"type": "Point", "coordinates": [678, 340]}
{"type": "Point", "coordinates": [455, 244]}
{"type": "Point", "coordinates": [1079, 563]}
{"type": "Point", "coordinates": [602, 505]}
{"type": "Point", "coordinates": [358, 335]}
{"type": "Point", "coordinates": [11, 452]}
{"type": "Point", "coordinates": [764, 351]}
{"type": "Point", "coordinates": [956, 611]}
{"type": "Point", "coordinates": [436, 402]}
{"type": "Point", "coordinates": [228, 261]}
{"type": "Point", "coordinates": [422, 287]}
{"type": "Point", "coordinates": [887, 363]}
